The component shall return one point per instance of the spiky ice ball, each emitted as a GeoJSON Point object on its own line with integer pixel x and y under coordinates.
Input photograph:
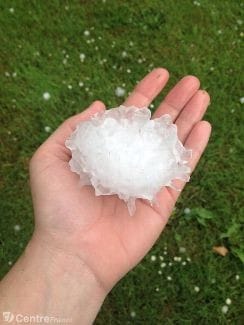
{"type": "Point", "coordinates": [123, 151]}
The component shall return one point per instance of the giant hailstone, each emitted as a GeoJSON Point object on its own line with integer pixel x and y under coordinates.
{"type": "Point", "coordinates": [123, 151]}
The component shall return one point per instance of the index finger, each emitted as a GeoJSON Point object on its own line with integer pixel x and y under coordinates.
{"type": "Point", "coordinates": [148, 88]}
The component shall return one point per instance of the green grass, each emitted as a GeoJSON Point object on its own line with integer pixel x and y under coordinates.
{"type": "Point", "coordinates": [185, 38]}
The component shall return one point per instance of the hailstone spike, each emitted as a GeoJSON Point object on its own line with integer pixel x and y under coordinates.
{"type": "Point", "coordinates": [123, 151]}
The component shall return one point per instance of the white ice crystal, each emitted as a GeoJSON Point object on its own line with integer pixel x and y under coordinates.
{"type": "Point", "coordinates": [46, 96]}
{"type": "Point", "coordinates": [228, 301]}
{"type": "Point", "coordinates": [196, 288]}
{"type": "Point", "coordinates": [86, 33]}
{"type": "Point", "coordinates": [82, 57]}
{"type": "Point", "coordinates": [47, 129]}
{"type": "Point", "coordinates": [224, 309]}
{"type": "Point", "coordinates": [123, 151]}
{"type": "Point", "coordinates": [119, 91]}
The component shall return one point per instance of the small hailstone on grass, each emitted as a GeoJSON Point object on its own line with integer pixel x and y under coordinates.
{"type": "Point", "coordinates": [224, 309]}
{"type": "Point", "coordinates": [133, 314]}
{"type": "Point", "coordinates": [163, 265]}
{"type": "Point", "coordinates": [11, 10]}
{"type": "Point", "coordinates": [196, 289]}
{"type": "Point", "coordinates": [69, 86]}
{"type": "Point", "coordinates": [159, 272]}
{"type": "Point", "coordinates": [187, 210]}
{"type": "Point", "coordinates": [46, 96]}
{"type": "Point", "coordinates": [81, 84]}
{"type": "Point", "coordinates": [17, 227]}
{"type": "Point", "coordinates": [86, 33]}
{"type": "Point", "coordinates": [228, 301]}
{"type": "Point", "coordinates": [237, 277]}
{"type": "Point", "coordinates": [161, 258]}
{"type": "Point", "coordinates": [169, 278]}
{"type": "Point", "coordinates": [119, 91]}
{"type": "Point", "coordinates": [153, 258]}
{"type": "Point", "coordinates": [124, 54]}
{"type": "Point", "coordinates": [242, 100]}
{"type": "Point", "coordinates": [82, 57]}
{"type": "Point", "coordinates": [47, 129]}
{"type": "Point", "coordinates": [114, 151]}
{"type": "Point", "coordinates": [182, 250]}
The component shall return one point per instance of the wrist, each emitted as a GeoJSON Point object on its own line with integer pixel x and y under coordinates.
{"type": "Point", "coordinates": [53, 284]}
{"type": "Point", "coordinates": [71, 282]}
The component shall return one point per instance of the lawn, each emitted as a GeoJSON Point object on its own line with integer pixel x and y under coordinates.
{"type": "Point", "coordinates": [79, 51]}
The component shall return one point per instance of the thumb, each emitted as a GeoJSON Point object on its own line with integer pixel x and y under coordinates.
{"type": "Point", "coordinates": [69, 125]}
{"type": "Point", "coordinates": [55, 145]}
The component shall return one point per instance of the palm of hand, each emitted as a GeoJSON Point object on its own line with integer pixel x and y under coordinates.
{"type": "Point", "coordinates": [99, 230]}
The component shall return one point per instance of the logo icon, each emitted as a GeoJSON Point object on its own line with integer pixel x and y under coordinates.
{"type": "Point", "coordinates": [8, 316]}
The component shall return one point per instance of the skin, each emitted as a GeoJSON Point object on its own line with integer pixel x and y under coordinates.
{"type": "Point", "coordinates": [89, 243]}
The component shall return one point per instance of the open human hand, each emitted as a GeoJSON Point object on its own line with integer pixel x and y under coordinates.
{"type": "Point", "coordinates": [98, 230]}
